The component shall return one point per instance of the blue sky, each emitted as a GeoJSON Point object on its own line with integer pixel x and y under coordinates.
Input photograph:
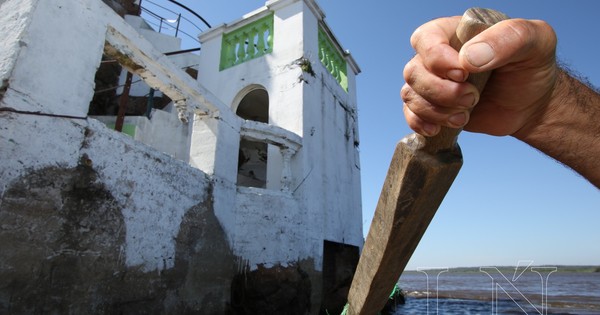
{"type": "Point", "coordinates": [509, 202]}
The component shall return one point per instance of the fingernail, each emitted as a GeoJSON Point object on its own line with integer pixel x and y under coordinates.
{"type": "Point", "coordinates": [458, 120]}
{"type": "Point", "coordinates": [479, 54]}
{"type": "Point", "coordinates": [456, 75]}
{"type": "Point", "coordinates": [467, 100]}
{"type": "Point", "coordinates": [430, 130]}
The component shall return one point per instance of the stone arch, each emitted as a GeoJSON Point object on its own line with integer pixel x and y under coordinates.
{"type": "Point", "coordinates": [252, 103]}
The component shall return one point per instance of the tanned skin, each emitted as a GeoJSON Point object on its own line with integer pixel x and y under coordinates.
{"type": "Point", "coordinates": [529, 96]}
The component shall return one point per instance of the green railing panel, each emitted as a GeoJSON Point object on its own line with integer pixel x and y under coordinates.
{"type": "Point", "coordinates": [332, 60]}
{"type": "Point", "coordinates": [247, 42]}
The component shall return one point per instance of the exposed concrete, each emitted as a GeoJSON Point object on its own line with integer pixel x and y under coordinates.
{"type": "Point", "coordinates": [155, 188]}
{"type": "Point", "coordinates": [78, 238]}
{"type": "Point", "coordinates": [75, 234]}
{"type": "Point", "coordinates": [163, 131]}
{"type": "Point", "coordinates": [14, 20]}
{"type": "Point", "coordinates": [275, 290]}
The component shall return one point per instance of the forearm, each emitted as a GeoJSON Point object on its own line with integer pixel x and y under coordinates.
{"type": "Point", "coordinates": [568, 130]}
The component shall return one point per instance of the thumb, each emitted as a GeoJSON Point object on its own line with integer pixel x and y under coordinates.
{"type": "Point", "coordinates": [509, 41]}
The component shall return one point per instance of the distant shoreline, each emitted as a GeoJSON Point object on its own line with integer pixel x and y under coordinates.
{"type": "Point", "coordinates": [561, 289]}
{"type": "Point", "coordinates": [560, 268]}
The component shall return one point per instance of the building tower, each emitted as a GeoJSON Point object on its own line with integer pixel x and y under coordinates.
{"type": "Point", "coordinates": [291, 158]}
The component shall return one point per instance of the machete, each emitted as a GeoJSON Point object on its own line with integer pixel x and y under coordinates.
{"type": "Point", "coordinates": [420, 174]}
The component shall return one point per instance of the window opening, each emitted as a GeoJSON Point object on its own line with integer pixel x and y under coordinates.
{"type": "Point", "coordinates": [255, 106]}
{"type": "Point", "coordinates": [252, 164]}
{"type": "Point", "coordinates": [252, 155]}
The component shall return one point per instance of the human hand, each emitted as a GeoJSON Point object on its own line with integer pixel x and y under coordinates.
{"type": "Point", "coordinates": [522, 55]}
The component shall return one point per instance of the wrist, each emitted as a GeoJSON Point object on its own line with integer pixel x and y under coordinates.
{"type": "Point", "coordinates": [548, 115]}
{"type": "Point", "coordinates": [566, 127]}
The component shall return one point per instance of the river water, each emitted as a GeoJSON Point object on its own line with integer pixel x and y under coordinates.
{"type": "Point", "coordinates": [489, 290]}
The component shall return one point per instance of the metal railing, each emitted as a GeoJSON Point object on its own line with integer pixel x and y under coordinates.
{"type": "Point", "coordinates": [177, 25]}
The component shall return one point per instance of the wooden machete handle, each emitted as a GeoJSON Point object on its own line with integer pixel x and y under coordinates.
{"type": "Point", "coordinates": [420, 174]}
{"type": "Point", "coordinates": [473, 22]}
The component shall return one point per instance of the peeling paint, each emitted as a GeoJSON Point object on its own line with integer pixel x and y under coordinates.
{"type": "Point", "coordinates": [122, 58]}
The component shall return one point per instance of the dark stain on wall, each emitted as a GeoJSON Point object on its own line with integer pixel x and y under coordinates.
{"type": "Point", "coordinates": [62, 236]}
{"type": "Point", "coordinates": [275, 290]}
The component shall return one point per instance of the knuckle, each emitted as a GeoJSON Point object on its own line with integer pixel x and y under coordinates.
{"type": "Point", "coordinates": [412, 120]}
{"type": "Point", "coordinates": [416, 36]}
{"type": "Point", "coordinates": [531, 35]}
{"type": "Point", "coordinates": [523, 31]}
{"type": "Point", "coordinates": [520, 31]}
{"type": "Point", "coordinates": [409, 70]}
{"type": "Point", "coordinates": [433, 52]}
{"type": "Point", "coordinates": [547, 32]}
{"type": "Point", "coordinates": [406, 93]}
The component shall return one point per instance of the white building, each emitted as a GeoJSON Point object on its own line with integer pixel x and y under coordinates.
{"type": "Point", "coordinates": [253, 170]}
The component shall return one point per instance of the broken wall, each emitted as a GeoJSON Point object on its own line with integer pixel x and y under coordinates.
{"type": "Point", "coordinates": [92, 221]}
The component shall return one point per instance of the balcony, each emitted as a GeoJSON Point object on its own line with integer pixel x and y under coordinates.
{"type": "Point", "coordinates": [247, 42]}
{"type": "Point", "coordinates": [288, 143]}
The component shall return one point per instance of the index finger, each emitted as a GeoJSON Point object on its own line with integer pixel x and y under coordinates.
{"type": "Point", "coordinates": [434, 32]}
{"type": "Point", "coordinates": [432, 42]}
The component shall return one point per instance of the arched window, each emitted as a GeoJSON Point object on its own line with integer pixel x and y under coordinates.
{"type": "Point", "coordinates": [252, 156]}
{"type": "Point", "coordinates": [255, 106]}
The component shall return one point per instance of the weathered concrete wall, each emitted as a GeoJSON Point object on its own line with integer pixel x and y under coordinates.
{"type": "Point", "coordinates": [14, 20]}
{"type": "Point", "coordinates": [164, 132]}
{"type": "Point", "coordinates": [63, 80]}
{"type": "Point", "coordinates": [331, 142]}
{"type": "Point", "coordinates": [62, 92]}
{"type": "Point", "coordinates": [275, 290]}
{"type": "Point", "coordinates": [92, 221]}
{"type": "Point", "coordinates": [283, 229]}
{"type": "Point", "coordinates": [112, 227]}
